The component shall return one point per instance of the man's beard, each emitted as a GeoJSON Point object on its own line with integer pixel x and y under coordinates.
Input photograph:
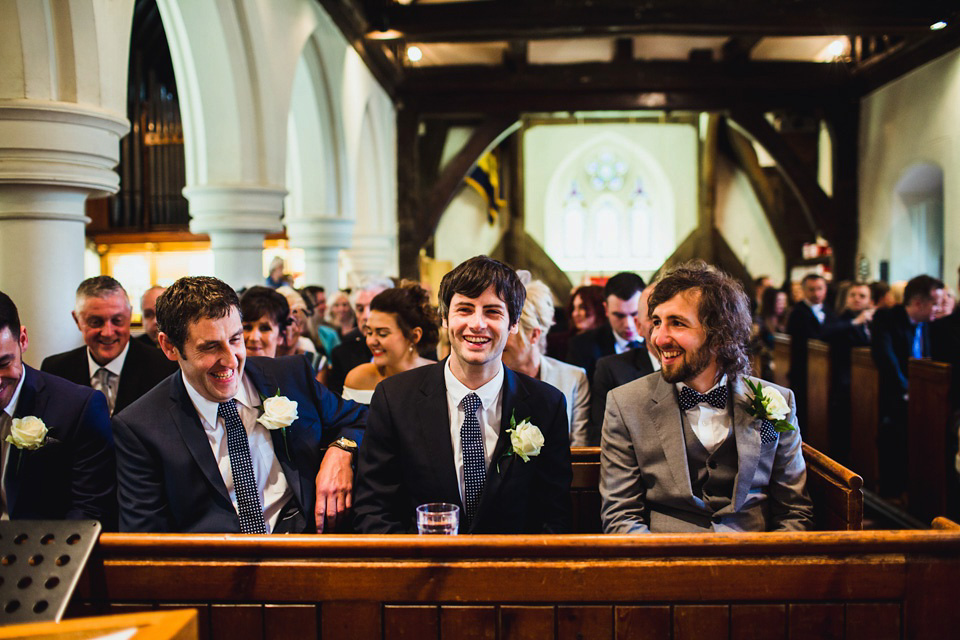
{"type": "Point", "coordinates": [694, 363]}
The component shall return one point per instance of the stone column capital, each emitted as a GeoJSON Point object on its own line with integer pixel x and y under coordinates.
{"type": "Point", "coordinates": [235, 209]}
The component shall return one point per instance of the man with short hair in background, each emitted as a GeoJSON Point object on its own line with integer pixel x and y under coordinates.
{"type": "Point", "coordinates": [148, 311]}
{"type": "Point", "coordinates": [621, 303]}
{"type": "Point", "coordinates": [352, 350]}
{"type": "Point", "coordinates": [60, 463]}
{"type": "Point", "coordinates": [110, 362]}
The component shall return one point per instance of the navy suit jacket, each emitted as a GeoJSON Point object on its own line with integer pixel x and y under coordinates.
{"type": "Point", "coordinates": [168, 476]}
{"type": "Point", "coordinates": [406, 458]}
{"type": "Point", "coordinates": [945, 347]}
{"type": "Point", "coordinates": [892, 347]}
{"type": "Point", "coordinates": [73, 476]}
{"type": "Point", "coordinates": [143, 369]}
{"type": "Point", "coordinates": [350, 353]}
{"type": "Point", "coordinates": [613, 371]}
{"type": "Point", "coordinates": [588, 347]}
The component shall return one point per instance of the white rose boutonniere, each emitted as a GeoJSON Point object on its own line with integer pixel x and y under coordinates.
{"type": "Point", "coordinates": [769, 404]}
{"type": "Point", "coordinates": [278, 412]}
{"type": "Point", "coordinates": [27, 433]}
{"type": "Point", "coordinates": [526, 440]}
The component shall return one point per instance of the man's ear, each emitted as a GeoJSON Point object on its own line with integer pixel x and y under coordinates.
{"type": "Point", "coordinates": [76, 319]}
{"type": "Point", "coordinates": [514, 328]}
{"type": "Point", "coordinates": [535, 334]}
{"type": "Point", "coordinates": [168, 347]}
{"type": "Point", "coordinates": [24, 341]}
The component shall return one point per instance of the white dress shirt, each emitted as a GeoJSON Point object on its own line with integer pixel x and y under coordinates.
{"type": "Point", "coordinates": [817, 311]}
{"type": "Point", "coordinates": [653, 359]}
{"type": "Point", "coordinates": [489, 415]}
{"type": "Point", "coordinates": [622, 345]}
{"type": "Point", "coordinates": [271, 483]}
{"type": "Point", "coordinates": [115, 366]}
{"type": "Point", "coordinates": [711, 425]}
{"type": "Point", "coordinates": [6, 419]}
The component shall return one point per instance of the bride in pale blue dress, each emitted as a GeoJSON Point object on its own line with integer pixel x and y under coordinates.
{"type": "Point", "coordinates": [402, 326]}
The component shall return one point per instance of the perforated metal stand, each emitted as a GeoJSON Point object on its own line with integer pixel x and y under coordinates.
{"type": "Point", "coordinates": [40, 564]}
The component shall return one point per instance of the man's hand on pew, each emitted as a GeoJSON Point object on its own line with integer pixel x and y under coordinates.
{"type": "Point", "coordinates": [334, 488]}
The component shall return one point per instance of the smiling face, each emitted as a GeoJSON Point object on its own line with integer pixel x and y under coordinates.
{"type": "Point", "coordinates": [681, 342]}
{"type": "Point", "coordinates": [260, 337]}
{"type": "Point", "coordinates": [213, 355]}
{"type": "Point", "coordinates": [386, 341]}
{"type": "Point", "coordinates": [582, 315]}
{"type": "Point", "coordinates": [622, 315]}
{"type": "Point", "coordinates": [12, 346]}
{"type": "Point", "coordinates": [478, 330]}
{"type": "Point", "coordinates": [105, 325]}
{"type": "Point", "coordinates": [362, 306]}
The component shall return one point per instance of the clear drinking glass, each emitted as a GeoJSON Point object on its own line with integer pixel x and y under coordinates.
{"type": "Point", "coordinates": [438, 518]}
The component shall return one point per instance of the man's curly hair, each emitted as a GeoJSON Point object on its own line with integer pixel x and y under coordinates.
{"type": "Point", "coordinates": [724, 311]}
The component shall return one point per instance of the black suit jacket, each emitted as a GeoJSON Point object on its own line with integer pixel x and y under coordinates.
{"type": "Point", "coordinates": [945, 347]}
{"type": "Point", "coordinates": [142, 370]}
{"type": "Point", "coordinates": [350, 353]}
{"type": "Point", "coordinates": [802, 325]}
{"type": "Point", "coordinates": [841, 341]}
{"type": "Point", "coordinates": [167, 474]}
{"type": "Point", "coordinates": [892, 347]}
{"type": "Point", "coordinates": [73, 476]}
{"type": "Point", "coordinates": [613, 371]}
{"type": "Point", "coordinates": [588, 347]}
{"type": "Point", "coordinates": [406, 458]}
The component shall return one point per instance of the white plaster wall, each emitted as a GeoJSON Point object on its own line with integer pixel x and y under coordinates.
{"type": "Point", "coordinates": [744, 225]}
{"type": "Point", "coordinates": [914, 119]}
{"type": "Point", "coordinates": [464, 231]}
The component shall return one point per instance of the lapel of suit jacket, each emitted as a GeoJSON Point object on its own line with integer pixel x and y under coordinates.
{"type": "Point", "coordinates": [188, 424]}
{"type": "Point", "coordinates": [666, 417]}
{"type": "Point", "coordinates": [433, 423]}
{"type": "Point", "coordinates": [31, 402]}
{"type": "Point", "coordinates": [747, 431]}
{"type": "Point", "coordinates": [513, 402]}
{"type": "Point", "coordinates": [266, 385]}
{"type": "Point", "coordinates": [127, 391]}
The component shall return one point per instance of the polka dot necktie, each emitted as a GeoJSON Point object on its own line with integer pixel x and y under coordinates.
{"type": "Point", "coordinates": [244, 482]}
{"type": "Point", "coordinates": [474, 469]}
{"type": "Point", "coordinates": [689, 398]}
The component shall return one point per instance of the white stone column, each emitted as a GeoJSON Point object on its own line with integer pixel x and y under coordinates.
{"type": "Point", "coordinates": [371, 256]}
{"type": "Point", "coordinates": [236, 218]}
{"type": "Point", "coordinates": [321, 238]}
{"type": "Point", "coordinates": [53, 155]}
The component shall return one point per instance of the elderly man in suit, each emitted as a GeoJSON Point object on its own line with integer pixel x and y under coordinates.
{"type": "Point", "coordinates": [60, 463]}
{"type": "Point", "coordinates": [687, 450]}
{"type": "Point", "coordinates": [621, 303]}
{"type": "Point", "coordinates": [231, 443]}
{"type": "Point", "coordinates": [123, 369]}
{"type": "Point", "coordinates": [613, 371]}
{"type": "Point", "coordinates": [445, 432]}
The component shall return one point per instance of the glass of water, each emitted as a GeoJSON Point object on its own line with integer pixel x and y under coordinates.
{"type": "Point", "coordinates": [438, 518]}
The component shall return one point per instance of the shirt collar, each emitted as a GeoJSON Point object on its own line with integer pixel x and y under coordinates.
{"type": "Point", "coordinates": [115, 366]}
{"type": "Point", "coordinates": [207, 409]}
{"type": "Point", "coordinates": [815, 307]}
{"type": "Point", "coordinates": [11, 407]}
{"type": "Point", "coordinates": [622, 344]}
{"type": "Point", "coordinates": [723, 382]}
{"type": "Point", "coordinates": [488, 393]}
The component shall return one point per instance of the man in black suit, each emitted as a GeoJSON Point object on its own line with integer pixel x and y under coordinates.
{"type": "Point", "coordinates": [945, 347]}
{"type": "Point", "coordinates": [352, 350]}
{"type": "Point", "coordinates": [67, 471]}
{"type": "Point", "coordinates": [809, 319]}
{"type": "Point", "coordinates": [110, 362]}
{"type": "Point", "coordinates": [230, 443]}
{"type": "Point", "coordinates": [445, 432]}
{"type": "Point", "coordinates": [148, 312]}
{"type": "Point", "coordinates": [613, 371]}
{"type": "Point", "coordinates": [900, 333]}
{"type": "Point", "coordinates": [621, 303]}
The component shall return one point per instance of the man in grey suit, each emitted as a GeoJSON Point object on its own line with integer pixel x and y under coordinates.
{"type": "Point", "coordinates": [679, 451]}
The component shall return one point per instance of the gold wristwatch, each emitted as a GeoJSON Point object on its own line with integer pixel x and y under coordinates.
{"type": "Point", "coordinates": [346, 444]}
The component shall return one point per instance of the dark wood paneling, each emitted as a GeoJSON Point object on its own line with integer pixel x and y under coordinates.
{"type": "Point", "coordinates": [864, 415]}
{"type": "Point", "coordinates": [816, 621]}
{"type": "Point", "coordinates": [286, 621]}
{"type": "Point", "coordinates": [236, 622]}
{"type": "Point", "coordinates": [931, 461]}
{"type": "Point", "coordinates": [522, 623]}
{"type": "Point", "coordinates": [643, 623]}
{"type": "Point", "coordinates": [411, 623]}
{"type": "Point", "coordinates": [701, 622]}
{"type": "Point", "coordinates": [758, 622]}
{"type": "Point", "coordinates": [468, 623]}
{"type": "Point", "coordinates": [203, 616]}
{"type": "Point", "coordinates": [585, 623]}
{"type": "Point", "coordinates": [873, 621]}
{"type": "Point", "coordinates": [781, 359]}
{"type": "Point", "coordinates": [350, 621]}
{"type": "Point", "coordinates": [817, 430]}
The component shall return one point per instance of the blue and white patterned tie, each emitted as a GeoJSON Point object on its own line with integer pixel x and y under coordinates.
{"type": "Point", "coordinates": [244, 482]}
{"type": "Point", "coordinates": [474, 469]}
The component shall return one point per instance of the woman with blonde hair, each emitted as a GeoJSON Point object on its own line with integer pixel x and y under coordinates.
{"type": "Point", "coordinates": [523, 353]}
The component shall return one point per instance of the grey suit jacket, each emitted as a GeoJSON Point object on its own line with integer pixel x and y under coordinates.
{"type": "Point", "coordinates": [645, 479]}
{"type": "Point", "coordinates": [572, 381]}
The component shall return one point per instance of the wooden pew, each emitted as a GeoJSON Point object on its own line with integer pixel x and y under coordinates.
{"type": "Point", "coordinates": [781, 359]}
{"type": "Point", "coordinates": [932, 443]}
{"type": "Point", "coordinates": [835, 490]}
{"type": "Point", "coordinates": [864, 416]}
{"type": "Point", "coordinates": [850, 584]}
{"type": "Point", "coordinates": [816, 432]}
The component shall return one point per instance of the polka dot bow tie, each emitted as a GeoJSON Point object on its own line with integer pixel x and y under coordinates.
{"type": "Point", "coordinates": [689, 398]}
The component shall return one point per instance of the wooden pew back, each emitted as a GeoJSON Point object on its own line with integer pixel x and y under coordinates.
{"type": "Point", "coordinates": [817, 430]}
{"type": "Point", "coordinates": [835, 490]}
{"type": "Point", "coordinates": [864, 415]}
{"type": "Point", "coordinates": [781, 359]}
{"type": "Point", "coordinates": [890, 584]}
{"type": "Point", "coordinates": [932, 444]}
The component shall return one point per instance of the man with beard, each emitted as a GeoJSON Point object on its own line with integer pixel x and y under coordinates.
{"type": "Point", "coordinates": [686, 451]}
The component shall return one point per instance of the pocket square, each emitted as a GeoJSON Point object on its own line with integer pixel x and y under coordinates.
{"type": "Point", "coordinates": [768, 432]}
